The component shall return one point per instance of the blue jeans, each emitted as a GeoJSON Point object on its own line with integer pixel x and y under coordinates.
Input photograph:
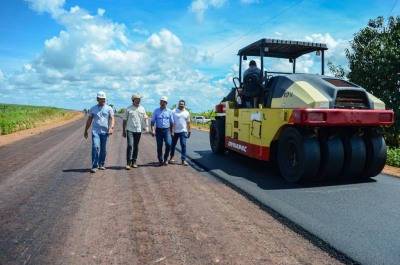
{"type": "Point", "coordinates": [99, 149]}
{"type": "Point", "coordinates": [161, 136]}
{"type": "Point", "coordinates": [132, 150]}
{"type": "Point", "coordinates": [182, 140]}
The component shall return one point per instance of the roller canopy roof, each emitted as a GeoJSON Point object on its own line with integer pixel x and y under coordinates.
{"type": "Point", "coordinates": [281, 48]}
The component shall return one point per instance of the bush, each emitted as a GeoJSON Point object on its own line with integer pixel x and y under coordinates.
{"type": "Point", "coordinates": [393, 157]}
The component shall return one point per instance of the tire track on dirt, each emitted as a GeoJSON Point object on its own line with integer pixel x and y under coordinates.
{"type": "Point", "coordinates": [31, 210]}
{"type": "Point", "coordinates": [185, 201]}
{"type": "Point", "coordinates": [104, 223]}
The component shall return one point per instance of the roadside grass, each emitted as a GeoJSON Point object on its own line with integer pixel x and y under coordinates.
{"type": "Point", "coordinates": [393, 157]}
{"type": "Point", "coordinates": [198, 125]}
{"type": "Point", "coordinates": [14, 118]}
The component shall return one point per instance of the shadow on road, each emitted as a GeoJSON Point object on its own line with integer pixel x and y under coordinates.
{"type": "Point", "coordinates": [77, 170]}
{"type": "Point", "coordinates": [86, 170]}
{"type": "Point", "coordinates": [265, 175]}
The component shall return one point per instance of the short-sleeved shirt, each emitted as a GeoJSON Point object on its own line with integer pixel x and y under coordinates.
{"type": "Point", "coordinates": [101, 117]}
{"type": "Point", "coordinates": [162, 118]}
{"type": "Point", "coordinates": [181, 118]}
{"type": "Point", "coordinates": [135, 118]}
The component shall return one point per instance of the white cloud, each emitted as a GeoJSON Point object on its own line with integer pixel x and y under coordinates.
{"type": "Point", "coordinates": [93, 53]}
{"type": "Point", "coordinates": [217, 3]}
{"type": "Point", "coordinates": [164, 42]}
{"type": "Point", "coordinates": [141, 31]}
{"type": "Point", "coordinates": [200, 6]}
{"type": "Point", "coordinates": [100, 12]}
{"type": "Point", "coordinates": [53, 7]}
{"type": "Point", "coordinates": [336, 47]}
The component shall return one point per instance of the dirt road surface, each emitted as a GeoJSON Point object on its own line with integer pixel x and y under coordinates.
{"type": "Point", "coordinates": [54, 211]}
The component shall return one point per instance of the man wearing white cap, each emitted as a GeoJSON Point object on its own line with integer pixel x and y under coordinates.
{"type": "Point", "coordinates": [134, 122]}
{"type": "Point", "coordinates": [164, 131]}
{"type": "Point", "coordinates": [102, 117]}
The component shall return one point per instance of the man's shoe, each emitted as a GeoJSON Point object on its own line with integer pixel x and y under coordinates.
{"type": "Point", "coordinates": [102, 167]}
{"type": "Point", "coordinates": [160, 163]}
{"type": "Point", "coordinates": [165, 163]}
{"type": "Point", "coordinates": [128, 167]}
{"type": "Point", "coordinates": [172, 161]}
{"type": "Point", "coordinates": [134, 165]}
{"type": "Point", "coordinates": [184, 163]}
{"type": "Point", "coordinates": [93, 170]}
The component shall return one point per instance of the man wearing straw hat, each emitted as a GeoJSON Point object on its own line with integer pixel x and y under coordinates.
{"type": "Point", "coordinates": [134, 122]}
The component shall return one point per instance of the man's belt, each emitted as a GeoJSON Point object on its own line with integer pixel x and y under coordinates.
{"type": "Point", "coordinates": [162, 129]}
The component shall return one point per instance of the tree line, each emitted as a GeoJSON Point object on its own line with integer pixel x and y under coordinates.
{"type": "Point", "coordinates": [374, 64]}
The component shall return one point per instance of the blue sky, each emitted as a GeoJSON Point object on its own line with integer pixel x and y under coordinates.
{"type": "Point", "coordinates": [61, 52]}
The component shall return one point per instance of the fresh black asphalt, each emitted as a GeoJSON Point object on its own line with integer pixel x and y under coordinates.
{"type": "Point", "coordinates": [359, 219]}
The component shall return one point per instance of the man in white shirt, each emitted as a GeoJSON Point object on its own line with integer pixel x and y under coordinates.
{"type": "Point", "coordinates": [134, 121]}
{"type": "Point", "coordinates": [181, 130]}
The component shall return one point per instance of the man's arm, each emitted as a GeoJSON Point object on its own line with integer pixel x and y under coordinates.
{"type": "Point", "coordinates": [111, 129]}
{"type": "Point", "coordinates": [153, 133]}
{"type": "Point", "coordinates": [146, 120]}
{"type": "Point", "coordinates": [188, 128]}
{"type": "Point", "coordinates": [153, 120]}
{"type": "Point", "coordinates": [171, 123]}
{"type": "Point", "coordinates": [124, 128]}
{"type": "Point", "coordinates": [88, 123]}
{"type": "Point", "coordinates": [124, 122]}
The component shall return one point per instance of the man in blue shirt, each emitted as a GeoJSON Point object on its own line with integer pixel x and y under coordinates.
{"type": "Point", "coordinates": [164, 123]}
{"type": "Point", "coordinates": [102, 117]}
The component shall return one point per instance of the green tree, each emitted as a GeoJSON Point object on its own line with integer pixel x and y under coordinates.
{"type": "Point", "coordinates": [374, 62]}
{"type": "Point", "coordinates": [208, 114]}
{"type": "Point", "coordinates": [337, 71]}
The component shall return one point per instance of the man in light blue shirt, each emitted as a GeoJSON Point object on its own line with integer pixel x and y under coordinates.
{"type": "Point", "coordinates": [164, 130]}
{"type": "Point", "coordinates": [102, 117]}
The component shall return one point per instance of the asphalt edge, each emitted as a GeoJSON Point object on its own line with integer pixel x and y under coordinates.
{"type": "Point", "coordinates": [316, 241]}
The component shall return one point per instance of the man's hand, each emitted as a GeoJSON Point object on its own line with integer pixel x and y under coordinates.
{"type": "Point", "coordinates": [146, 130]}
{"type": "Point", "coordinates": [188, 135]}
{"type": "Point", "coordinates": [85, 134]}
{"type": "Point", "coordinates": [124, 134]}
{"type": "Point", "coordinates": [110, 131]}
{"type": "Point", "coordinates": [153, 133]}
